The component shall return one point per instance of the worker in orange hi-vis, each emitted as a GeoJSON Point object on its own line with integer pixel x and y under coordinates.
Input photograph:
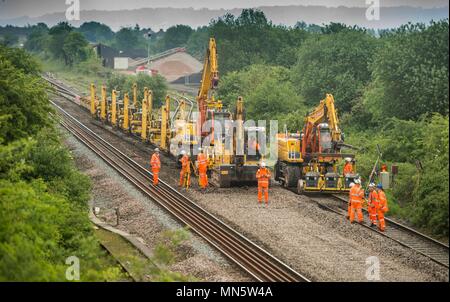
{"type": "Point", "coordinates": [185, 172]}
{"type": "Point", "coordinates": [356, 199]}
{"type": "Point", "coordinates": [263, 177]}
{"type": "Point", "coordinates": [349, 208]}
{"type": "Point", "coordinates": [202, 170]}
{"type": "Point", "coordinates": [155, 163]}
{"type": "Point", "coordinates": [372, 204]}
{"type": "Point", "coordinates": [348, 167]}
{"type": "Point", "coordinates": [382, 207]}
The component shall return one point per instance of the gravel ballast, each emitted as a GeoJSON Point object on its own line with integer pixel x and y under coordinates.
{"type": "Point", "coordinates": [319, 244]}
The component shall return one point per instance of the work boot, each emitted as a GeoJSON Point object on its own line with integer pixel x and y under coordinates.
{"type": "Point", "coordinates": [372, 225]}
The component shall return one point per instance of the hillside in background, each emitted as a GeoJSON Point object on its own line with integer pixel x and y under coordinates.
{"type": "Point", "coordinates": [157, 18]}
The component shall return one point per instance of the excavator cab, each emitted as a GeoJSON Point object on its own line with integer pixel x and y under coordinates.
{"type": "Point", "coordinates": [324, 138]}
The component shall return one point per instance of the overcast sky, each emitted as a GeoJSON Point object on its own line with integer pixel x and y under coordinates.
{"type": "Point", "coordinates": [33, 8]}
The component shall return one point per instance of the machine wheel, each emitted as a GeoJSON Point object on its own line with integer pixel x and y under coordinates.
{"type": "Point", "coordinates": [300, 186]}
{"type": "Point", "coordinates": [277, 171]}
{"type": "Point", "coordinates": [291, 175]}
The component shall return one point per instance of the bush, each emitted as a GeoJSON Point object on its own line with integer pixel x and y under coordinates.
{"type": "Point", "coordinates": [124, 83]}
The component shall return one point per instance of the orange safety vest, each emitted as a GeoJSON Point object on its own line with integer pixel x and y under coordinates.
{"type": "Point", "coordinates": [356, 196]}
{"type": "Point", "coordinates": [263, 176]}
{"type": "Point", "coordinates": [373, 199]}
{"type": "Point", "coordinates": [155, 162]}
{"type": "Point", "coordinates": [201, 160]}
{"type": "Point", "coordinates": [382, 204]}
{"type": "Point", "coordinates": [185, 164]}
{"type": "Point", "coordinates": [348, 168]}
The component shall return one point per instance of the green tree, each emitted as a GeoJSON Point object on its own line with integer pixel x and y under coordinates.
{"type": "Point", "coordinates": [266, 91]}
{"type": "Point", "coordinates": [336, 63]}
{"type": "Point", "coordinates": [74, 48]}
{"type": "Point", "coordinates": [126, 38]}
{"type": "Point", "coordinates": [410, 72]}
{"type": "Point", "coordinates": [58, 34]}
{"type": "Point", "coordinates": [177, 36]}
{"type": "Point", "coordinates": [124, 83]}
{"type": "Point", "coordinates": [24, 104]}
{"type": "Point", "coordinates": [96, 32]}
{"type": "Point", "coordinates": [9, 39]}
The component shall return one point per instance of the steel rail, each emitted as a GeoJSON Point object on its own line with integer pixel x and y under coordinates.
{"type": "Point", "coordinates": [253, 259]}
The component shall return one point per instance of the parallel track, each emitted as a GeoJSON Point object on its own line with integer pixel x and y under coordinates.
{"type": "Point", "coordinates": [256, 261]}
{"type": "Point", "coordinates": [402, 234]}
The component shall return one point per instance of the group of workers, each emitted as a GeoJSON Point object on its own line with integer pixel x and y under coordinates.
{"type": "Point", "coordinates": [376, 202]}
{"type": "Point", "coordinates": [185, 172]}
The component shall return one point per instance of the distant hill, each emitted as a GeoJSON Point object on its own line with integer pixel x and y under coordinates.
{"type": "Point", "coordinates": [157, 18]}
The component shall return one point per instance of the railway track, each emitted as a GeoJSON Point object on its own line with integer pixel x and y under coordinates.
{"type": "Point", "coordinates": [405, 236]}
{"type": "Point", "coordinates": [257, 262]}
{"type": "Point", "coordinates": [402, 234]}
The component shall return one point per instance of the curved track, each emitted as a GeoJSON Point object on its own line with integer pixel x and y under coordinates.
{"type": "Point", "coordinates": [253, 259]}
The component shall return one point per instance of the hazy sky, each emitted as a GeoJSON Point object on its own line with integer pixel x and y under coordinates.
{"type": "Point", "coordinates": [17, 8]}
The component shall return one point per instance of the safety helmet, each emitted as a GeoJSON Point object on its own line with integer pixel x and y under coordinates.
{"type": "Point", "coordinates": [200, 149]}
{"type": "Point", "coordinates": [263, 164]}
{"type": "Point", "coordinates": [371, 185]}
{"type": "Point", "coordinates": [183, 152]}
{"type": "Point", "coordinates": [351, 184]}
{"type": "Point", "coordinates": [357, 181]}
{"type": "Point", "coordinates": [348, 159]}
{"type": "Point", "coordinates": [157, 150]}
{"type": "Point", "coordinates": [380, 186]}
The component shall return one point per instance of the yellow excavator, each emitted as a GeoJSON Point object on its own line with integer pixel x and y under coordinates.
{"type": "Point", "coordinates": [228, 163]}
{"type": "Point", "coordinates": [311, 161]}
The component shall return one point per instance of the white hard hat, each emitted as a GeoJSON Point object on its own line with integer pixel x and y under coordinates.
{"type": "Point", "coordinates": [351, 184]}
{"type": "Point", "coordinates": [357, 181]}
{"type": "Point", "coordinates": [157, 150]}
{"type": "Point", "coordinates": [263, 164]}
{"type": "Point", "coordinates": [200, 149]}
{"type": "Point", "coordinates": [183, 152]}
{"type": "Point", "coordinates": [371, 184]}
{"type": "Point", "coordinates": [348, 159]}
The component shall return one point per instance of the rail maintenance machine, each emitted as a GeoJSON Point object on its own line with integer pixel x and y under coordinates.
{"type": "Point", "coordinates": [311, 161]}
{"type": "Point", "coordinates": [228, 164]}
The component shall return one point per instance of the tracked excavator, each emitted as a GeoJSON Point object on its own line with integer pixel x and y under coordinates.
{"type": "Point", "coordinates": [228, 164]}
{"type": "Point", "coordinates": [311, 160]}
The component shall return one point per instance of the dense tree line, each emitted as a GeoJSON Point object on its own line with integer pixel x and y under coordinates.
{"type": "Point", "coordinates": [43, 198]}
{"type": "Point", "coordinates": [390, 90]}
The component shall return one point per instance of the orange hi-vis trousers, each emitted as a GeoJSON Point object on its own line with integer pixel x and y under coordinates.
{"type": "Point", "coordinates": [382, 223]}
{"type": "Point", "coordinates": [155, 172]}
{"type": "Point", "coordinates": [202, 178]}
{"type": "Point", "coordinates": [356, 206]}
{"type": "Point", "coordinates": [185, 178]}
{"type": "Point", "coordinates": [263, 187]}
{"type": "Point", "coordinates": [372, 214]}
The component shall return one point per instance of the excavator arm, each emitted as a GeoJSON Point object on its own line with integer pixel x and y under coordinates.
{"type": "Point", "coordinates": [325, 112]}
{"type": "Point", "coordinates": [210, 81]}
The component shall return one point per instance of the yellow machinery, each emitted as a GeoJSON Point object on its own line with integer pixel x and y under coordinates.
{"type": "Point", "coordinates": [311, 160]}
{"type": "Point", "coordinates": [227, 163]}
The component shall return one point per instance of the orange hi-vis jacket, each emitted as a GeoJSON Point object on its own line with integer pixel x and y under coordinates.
{"type": "Point", "coordinates": [185, 163]}
{"type": "Point", "coordinates": [382, 202]}
{"type": "Point", "coordinates": [373, 200]}
{"type": "Point", "coordinates": [202, 162]}
{"type": "Point", "coordinates": [356, 196]}
{"type": "Point", "coordinates": [348, 168]}
{"type": "Point", "coordinates": [263, 177]}
{"type": "Point", "coordinates": [155, 162]}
